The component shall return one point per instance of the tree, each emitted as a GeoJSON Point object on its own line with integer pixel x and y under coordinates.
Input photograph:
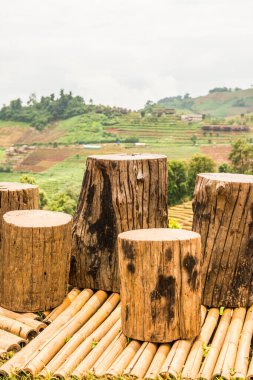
{"type": "Point", "coordinates": [225, 168]}
{"type": "Point", "coordinates": [177, 182]}
{"type": "Point", "coordinates": [194, 139]}
{"type": "Point", "coordinates": [198, 164]}
{"type": "Point", "coordinates": [241, 157]}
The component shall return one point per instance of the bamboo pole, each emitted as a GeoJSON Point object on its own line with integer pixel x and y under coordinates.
{"type": "Point", "coordinates": [176, 365]}
{"type": "Point", "coordinates": [9, 347]}
{"type": "Point", "coordinates": [144, 361]}
{"type": "Point", "coordinates": [10, 339]}
{"type": "Point", "coordinates": [167, 363]}
{"type": "Point", "coordinates": [17, 328]}
{"type": "Point", "coordinates": [66, 302]}
{"type": "Point", "coordinates": [88, 328]}
{"type": "Point", "coordinates": [157, 362]}
{"type": "Point", "coordinates": [110, 354]}
{"type": "Point", "coordinates": [242, 356]}
{"type": "Point", "coordinates": [226, 360]}
{"type": "Point", "coordinates": [86, 346]}
{"type": "Point", "coordinates": [174, 362]}
{"type": "Point", "coordinates": [94, 355]}
{"type": "Point", "coordinates": [30, 315]}
{"type": "Point", "coordinates": [135, 359]}
{"type": "Point", "coordinates": [36, 325]}
{"type": "Point", "coordinates": [46, 353]}
{"type": "Point", "coordinates": [124, 359]}
{"type": "Point", "coordinates": [194, 359]}
{"type": "Point", "coordinates": [31, 350]}
{"type": "Point", "coordinates": [208, 365]}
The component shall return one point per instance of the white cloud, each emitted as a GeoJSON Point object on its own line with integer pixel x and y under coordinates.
{"type": "Point", "coordinates": [124, 53]}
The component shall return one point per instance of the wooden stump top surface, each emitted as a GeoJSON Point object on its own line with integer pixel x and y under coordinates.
{"type": "Point", "coordinates": [36, 218]}
{"type": "Point", "coordinates": [159, 234]}
{"type": "Point", "coordinates": [128, 157]}
{"type": "Point", "coordinates": [228, 177]}
{"type": "Point", "coordinates": [15, 186]}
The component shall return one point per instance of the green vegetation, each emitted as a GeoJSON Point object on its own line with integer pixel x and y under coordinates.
{"type": "Point", "coordinates": [198, 164]}
{"type": "Point", "coordinates": [55, 157]}
{"type": "Point", "coordinates": [241, 157]}
{"type": "Point", "coordinates": [48, 109]}
{"type": "Point", "coordinates": [173, 223]}
{"type": "Point", "coordinates": [177, 182]}
{"type": "Point", "coordinates": [220, 102]}
{"type": "Point", "coordinates": [182, 176]}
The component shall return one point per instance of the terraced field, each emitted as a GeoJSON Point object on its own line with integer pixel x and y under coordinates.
{"type": "Point", "coordinates": [182, 214]}
{"type": "Point", "coordinates": [55, 171]}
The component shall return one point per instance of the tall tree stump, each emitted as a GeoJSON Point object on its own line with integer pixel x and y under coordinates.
{"type": "Point", "coordinates": [17, 196]}
{"type": "Point", "coordinates": [34, 259]}
{"type": "Point", "coordinates": [160, 284]}
{"type": "Point", "coordinates": [223, 215]}
{"type": "Point", "coordinates": [120, 192]}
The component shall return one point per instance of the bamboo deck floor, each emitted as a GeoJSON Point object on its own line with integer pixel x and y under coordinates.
{"type": "Point", "coordinates": [82, 338]}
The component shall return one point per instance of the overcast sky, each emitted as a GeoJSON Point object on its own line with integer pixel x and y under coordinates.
{"type": "Point", "coordinates": [124, 52]}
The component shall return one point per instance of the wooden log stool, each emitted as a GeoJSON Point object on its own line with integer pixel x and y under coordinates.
{"type": "Point", "coordinates": [17, 196]}
{"type": "Point", "coordinates": [34, 259]}
{"type": "Point", "coordinates": [223, 215]}
{"type": "Point", "coordinates": [120, 192]}
{"type": "Point", "coordinates": [160, 284]}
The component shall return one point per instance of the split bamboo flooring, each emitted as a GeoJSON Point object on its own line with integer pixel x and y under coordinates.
{"type": "Point", "coordinates": [83, 338]}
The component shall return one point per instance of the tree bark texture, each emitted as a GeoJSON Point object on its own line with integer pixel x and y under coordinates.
{"type": "Point", "coordinates": [160, 284]}
{"type": "Point", "coordinates": [17, 196]}
{"type": "Point", "coordinates": [223, 215]}
{"type": "Point", "coordinates": [35, 259]}
{"type": "Point", "coordinates": [119, 193]}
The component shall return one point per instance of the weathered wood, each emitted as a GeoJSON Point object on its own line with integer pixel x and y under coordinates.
{"type": "Point", "coordinates": [17, 196]}
{"type": "Point", "coordinates": [160, 284]}
{"type": "Point", "coordinates": [34, 259]}
{"type": "Point", "coordinates": [119, 193]}
{"type": "Point", "coordinates": [223, 215]}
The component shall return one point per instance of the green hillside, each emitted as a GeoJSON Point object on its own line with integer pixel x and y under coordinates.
{"type": "Point", "coordinates": [216, 104]}
{"type": "Point", "coordinates": [54, 152]}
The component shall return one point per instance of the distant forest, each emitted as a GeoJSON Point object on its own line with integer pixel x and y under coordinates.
{"type": "Point", "coordinates": [48, 109]}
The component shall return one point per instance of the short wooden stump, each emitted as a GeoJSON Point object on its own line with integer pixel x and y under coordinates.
{"type": "Point", "coordinates": [160, 284]}
{"type": "Point", "coordinates": [34, 259]}
{"type": "Point", "coordinates": [17, 196]}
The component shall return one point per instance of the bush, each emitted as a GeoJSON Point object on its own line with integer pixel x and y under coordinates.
{"type": "Point", "coordinates": [5, 169]}
{"type": "Point", "coordinates": [173, 223]}
{"type": "Point", "coordinates": [131, 140]}
{"type": "Point", "coordinates": [62, 202]}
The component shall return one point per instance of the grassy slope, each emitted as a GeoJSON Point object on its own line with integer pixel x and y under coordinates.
{"type": "Point", "coordinates": [219, 104]}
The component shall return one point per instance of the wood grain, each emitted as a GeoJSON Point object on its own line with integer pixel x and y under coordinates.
{"type": "Point", "coordinates": [17, 196]}
{"type": "Point", "coordinates": [119, 193]}
{"type": "Point", "coordinates": [34, 259]}
{"type": "Point", "coordinates": [223, 215]}
{"type": "Point", "coordinates": [160, 284]}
